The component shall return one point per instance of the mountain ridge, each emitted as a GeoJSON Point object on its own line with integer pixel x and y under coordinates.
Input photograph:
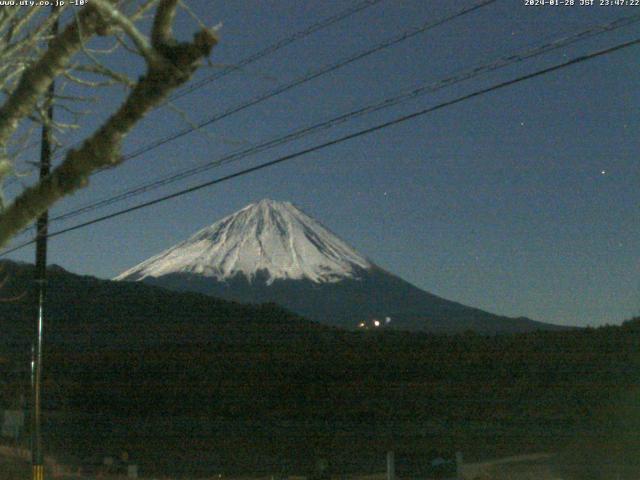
{"type": "Point", "coordinates": [273, 252]}
{"type": "Point", "coordinates": [276, 237]}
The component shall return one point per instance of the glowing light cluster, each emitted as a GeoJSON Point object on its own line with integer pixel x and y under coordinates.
{"type": "Point", "coordinates": [374, 323]}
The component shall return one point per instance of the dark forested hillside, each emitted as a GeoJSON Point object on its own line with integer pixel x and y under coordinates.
{"type": "Point", "coordinates": [190, 384]}
{"type": "Point", "coordinates": [374, 293]}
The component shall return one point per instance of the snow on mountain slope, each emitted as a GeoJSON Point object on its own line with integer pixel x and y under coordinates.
{"type": "Point", "coordinates": [270, 237]}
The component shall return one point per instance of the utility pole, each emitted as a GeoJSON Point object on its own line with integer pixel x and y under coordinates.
{"type": "Point", "coordinates": [42, 226]}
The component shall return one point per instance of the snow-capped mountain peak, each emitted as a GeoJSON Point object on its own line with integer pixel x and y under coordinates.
{"type": "Point", "coordinates": [267, 237]}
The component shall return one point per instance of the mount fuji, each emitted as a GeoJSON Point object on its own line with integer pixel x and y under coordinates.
{"type": "Point", "coordinates": [273, 252]}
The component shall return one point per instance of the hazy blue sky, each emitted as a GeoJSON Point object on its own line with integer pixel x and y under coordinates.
{"type": "Point", "coordinates": [521, 202]}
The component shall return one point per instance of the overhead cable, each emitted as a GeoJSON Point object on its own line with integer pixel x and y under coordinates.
{"type": "Point", "coordinates": [404, 96]}
{"type": "Point", "coordinates": [336, 141]}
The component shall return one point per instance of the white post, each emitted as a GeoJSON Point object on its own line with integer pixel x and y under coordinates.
{"type": "Point", "coordinates": [391, 466]}
{"type": "Point", "coordinates": [132, 471]}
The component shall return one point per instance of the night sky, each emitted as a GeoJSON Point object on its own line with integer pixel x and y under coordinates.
{"type": "Point", "coordinates": [522, 202]}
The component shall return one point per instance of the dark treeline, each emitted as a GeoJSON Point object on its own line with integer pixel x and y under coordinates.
{"type": "Point", "coordinates": [337, 392]}
{"type": "Point", "coordinates": [190, 384]}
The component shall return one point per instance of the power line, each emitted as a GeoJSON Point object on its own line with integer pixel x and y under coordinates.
{"type": "Point", "coordinates": [308, 77]}
{"type": "Point", "coordinates": [270, 49]}
{"type": "Point", "coordinates": [406, 35]}
{"type": "Point", "coordinates": [275, 47]}
{"type": "Point", "coordinates": [404, 96]}
{"type": "Point", "coordinates": [339, 140]}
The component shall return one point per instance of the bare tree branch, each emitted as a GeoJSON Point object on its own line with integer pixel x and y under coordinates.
{"type": "Point", "coordinates": [103, 71]}
{"type": "Point", "coordinates": [139, 40]}
{"type": "Point", "coordinates": [142, 10]}
{"type": "Point", "coordinates": [37, 78]}
{"type": "Point", "coordinates": [161, 33]}
{"type": "Point", "coordinates": [173, 64]}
